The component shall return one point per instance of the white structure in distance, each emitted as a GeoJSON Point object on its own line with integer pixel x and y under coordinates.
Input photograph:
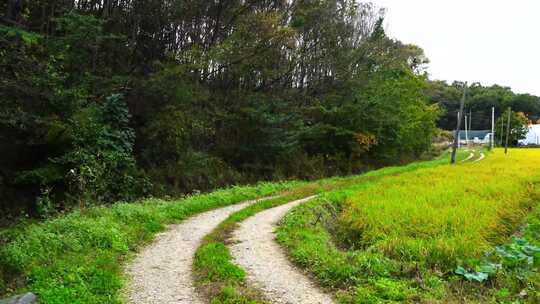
{"type": "Point", "coordinates": [532, 138]}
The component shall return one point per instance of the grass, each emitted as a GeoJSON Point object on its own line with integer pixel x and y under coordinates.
{"type": "Point", "coordinates": [217, 277]}
{"type": "Point", "coordinates": [438, 215]}
{"type": "Point", "coordinates": [77, 258]}
{"type": "Point", "coordinates": [222, 281]}
{"type": "Point", "coordinates": [401, 237]}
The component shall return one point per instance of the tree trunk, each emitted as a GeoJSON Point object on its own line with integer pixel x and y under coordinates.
{"type": "Point", "coordinates": [13, 10]}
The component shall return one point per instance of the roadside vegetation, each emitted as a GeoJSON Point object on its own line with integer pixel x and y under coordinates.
{"type": "Point", "coordinates": [480, 99]}
{"type": "Point", "coordinates": [78, 257]}
{"type": "Point", "coordinates": [221, 281]}
{"type": "Point", "coordinates": [443, 234]}
{"type": "Point", "coordinates": [108, 102]}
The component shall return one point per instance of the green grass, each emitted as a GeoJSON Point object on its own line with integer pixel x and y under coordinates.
{"type": "Point", "coordinates": [401, 237]}
{"type": "Point", "coordinates": [438, 215]}
{"type": "Point", "coordinates": [77, 258]}
{"type": "Point", "coordinates": [224, 282]}
{"type": "Point", "coordinates": [217, 277]}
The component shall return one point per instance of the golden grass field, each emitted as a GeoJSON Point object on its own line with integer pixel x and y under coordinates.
{"type": "Point", "coordinates": [443, 214]}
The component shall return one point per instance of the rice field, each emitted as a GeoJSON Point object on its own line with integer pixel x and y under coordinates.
{"type": "Point", "coordinates": [439, 215]}
{"type": "Point", "coordinates": [464, 233]}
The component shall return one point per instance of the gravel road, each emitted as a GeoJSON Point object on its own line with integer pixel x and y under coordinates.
{"type": "Point", "coordinates": [161, 272]}
{"type": "Point", "coordinates": [471, 155]}
{"type": "Point", "coordinates": [482, 156]}
{"type": "Point", "coordinates": [267, 265]}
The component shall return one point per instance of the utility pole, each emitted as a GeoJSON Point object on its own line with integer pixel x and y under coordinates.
{"type": "Point", "coordinates": [458, 126]}
{"type": "Point", "coordinates": [502, 131]}
{"type": "Point", "coordinates": [459, 142]}
{"type": "Point", "coordinates": [507, 131]}
{"type": "Point", "coordinates": [492, 137]}
{"type": "Point", "coordinates": [470, 120]}
{"type": "Point", "coordinates": [466, 133]}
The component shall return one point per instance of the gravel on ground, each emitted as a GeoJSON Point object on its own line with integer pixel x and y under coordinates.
{"type": "Point", "coordinates": [162, 272]}
{"type": "Point", "coordinates": [268, 268]}
{"type": "Point", "coordinates": [482, 156]}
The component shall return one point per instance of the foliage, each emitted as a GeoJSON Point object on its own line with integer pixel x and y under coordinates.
{"type": "Point", "coordinates": [480, 100]}
{"type": "Point", "coordinates": [117, 100]}
{"type": "Point", "coordinates": [518, 127]}
{"type": "Point", "coordinates": [413, 255]}
{"type": "Point", "coordinates": [410, 127]}
{"type": "Point", "coordinates": [62, 139]}
{"type": "Point", "coordinates": [519, 256]}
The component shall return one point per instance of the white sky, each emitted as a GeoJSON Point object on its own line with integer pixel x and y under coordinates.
{"type": "Point", "coordinates": [487, 41]}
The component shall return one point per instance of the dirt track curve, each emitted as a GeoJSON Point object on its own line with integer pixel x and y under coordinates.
{"type": "Point", "coordinates": [267, 265]}
{"type": "Point", "coordinates": [161, 272]}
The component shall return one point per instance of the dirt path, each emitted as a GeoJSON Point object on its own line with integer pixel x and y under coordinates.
{"type": "Point", "coordinates": [471, 155]}
{"type": "Point", "coordinates": [268, 267]}
{"type": "Point", "coordinates": [482, 156]}
{"type": "Point", "coordinates": [161, 272]}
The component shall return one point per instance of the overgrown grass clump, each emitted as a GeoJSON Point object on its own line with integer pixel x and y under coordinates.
{"type": "Point", "coordinates": [402, 237]}
{"type": "Point", "coordinates": [76, 258]}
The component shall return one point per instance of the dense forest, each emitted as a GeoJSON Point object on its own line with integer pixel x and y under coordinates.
{"type": "Point", "coordinates": [107, 100]}
{"type": "Point", "coordinates": [480, 100]}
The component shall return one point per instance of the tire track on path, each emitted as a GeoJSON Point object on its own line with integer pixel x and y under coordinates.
{"type": "Point", "coordinates": [482, 156]}
{"type": "Point", "coordinates": [267, 265]}
{"type": "Point", "coordinates": [162, 272]}
{"type": "Point", "coordinates": [471, 155]}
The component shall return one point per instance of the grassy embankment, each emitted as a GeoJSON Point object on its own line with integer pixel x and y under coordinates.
{"type": "Point", "coordinates": [224, 282]}
{"type": "Point", "coordinates": [427, 235]}
{"type": "Point", "coordinates": [77, 258]}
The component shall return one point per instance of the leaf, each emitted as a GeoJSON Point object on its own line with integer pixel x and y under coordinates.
{"type": "Point", "coordinates": [490, 268]}
{"type": "Point", "coordinates": [460, 270]}
{"type": "Point", "coordinates": [477, 276]}
{"type": "Point", "coordinates": [531, 249]}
